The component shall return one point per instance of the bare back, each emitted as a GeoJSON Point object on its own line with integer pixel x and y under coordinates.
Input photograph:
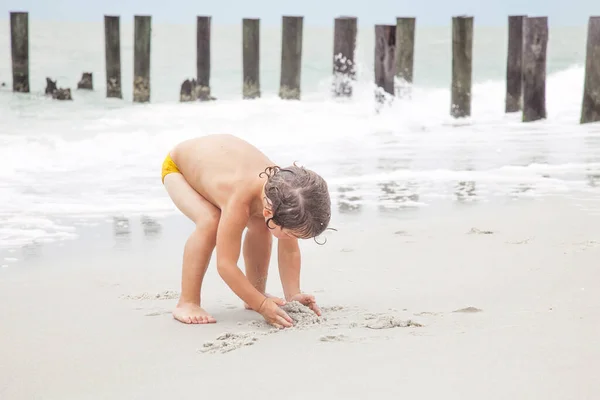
{"type": "Point", "coordinates": [221, 167]}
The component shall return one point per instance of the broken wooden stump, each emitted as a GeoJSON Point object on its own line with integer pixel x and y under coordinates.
{"type": "Point", "coordinates": [86, 82]}
{"type": "Point", "coordinates": [188, 91]}
{"type": "Point", "coordinates": [56, 92]}
{"type": "Point", "coordinates": [50, 86]}
{"type": "Point", "coordinates": [191, 90]}
{"type": "Point", "coordinates": [62, 94]}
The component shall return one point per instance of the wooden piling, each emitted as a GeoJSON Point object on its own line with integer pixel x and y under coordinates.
{"type": "Point", "coordinates": [514, 64]}
{"type": "Point", "coordinates": [141, 78]}
{"type": "Point", "coordinates": [344, 46]}
{"type": "Point", "coordinates": [19, 41]}
{"type": "Point", "coordinates": [251, 58]}
{"type": "Point", "coordinates": [405, 53]}
{"type": "Point", "coordinates": [203, 27]}
{"type": "Point", "coordinates": [291, 57]}
{"type": "Point", "coordinates": [590, 110]}
{"type": "Point", "coordinates": [462, 66]}
{"type": "Point", "coordinates": [112, 49]}
{"type": "Point", "coordinates": [385, 58]}
{"type": "Point", "coordinates": [535, 35]}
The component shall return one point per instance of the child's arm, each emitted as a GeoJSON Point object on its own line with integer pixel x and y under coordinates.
{"type": "Point", "coordinates": [289, 259]}
{"type": "Point", "coordinates": [229, 239]}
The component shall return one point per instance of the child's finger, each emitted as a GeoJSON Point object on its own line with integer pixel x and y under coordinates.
{"type": "Point", "coordinates": [286, 317]}
{"type": "Point", "coordinates": [316, 309]}
{"type": "Point", "coordinates": [282, 321]}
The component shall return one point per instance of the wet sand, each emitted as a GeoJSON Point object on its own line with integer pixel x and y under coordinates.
{"type": "Point", "coordinates": [493, 301]}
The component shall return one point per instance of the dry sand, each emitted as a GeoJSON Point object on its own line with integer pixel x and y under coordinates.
{"type": "Point", "coordinates": [443, 310]}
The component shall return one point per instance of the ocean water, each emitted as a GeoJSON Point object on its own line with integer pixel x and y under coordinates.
{"type": "Point", "coordinates": [67, 164]}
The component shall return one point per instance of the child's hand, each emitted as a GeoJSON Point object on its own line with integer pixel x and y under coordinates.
{"type": "Point", "coordinates": [308, 300]}
{"type": "Point", "coordinates": [273, 314]}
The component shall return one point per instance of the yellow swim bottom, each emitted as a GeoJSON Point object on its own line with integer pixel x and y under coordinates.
{"type": "Point", "coordinates": [168, 167]}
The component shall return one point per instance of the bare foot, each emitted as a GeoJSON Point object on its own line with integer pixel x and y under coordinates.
{"type": "Point", "coordinates": [190, 313]}
{"type": "Point", "coordinates": [247, 307]}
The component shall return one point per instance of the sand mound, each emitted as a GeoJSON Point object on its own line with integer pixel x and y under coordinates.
{"type": "Point", "coordinates": [301, 315]}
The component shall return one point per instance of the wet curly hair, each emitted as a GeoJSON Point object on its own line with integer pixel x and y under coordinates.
{"type": "Point", "coordinates": [299, 200]}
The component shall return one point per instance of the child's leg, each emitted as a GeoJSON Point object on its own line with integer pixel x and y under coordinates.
{"type": "Point", "coordinates": [257, 254]}
{"type": "Point", "coordinates": [198, 248]}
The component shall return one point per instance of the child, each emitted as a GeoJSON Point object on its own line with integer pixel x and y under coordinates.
{"type": "Point", "coordinates": [224, 185]}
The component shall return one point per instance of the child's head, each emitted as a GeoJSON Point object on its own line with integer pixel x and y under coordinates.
{"type": "Point", "coordinates": [297, 202]}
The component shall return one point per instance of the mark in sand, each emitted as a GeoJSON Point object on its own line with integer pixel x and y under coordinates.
{"type": "Point", "coordinates": [334, 338]}
{"type": "Point", "coordinates": [475, 231]}
{"type": "Point", "coordinates": [166, 295]}
{"type": "Point", "coordinates": [468, 310]}
{"type": "Point", "coordinates": [229, 341]}
{"type": "Point", "coordinates": [390, 321]}
{"type": "Point", "coordinates": [304, 319]}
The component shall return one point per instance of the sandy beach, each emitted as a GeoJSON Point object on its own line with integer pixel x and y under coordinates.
{"type": "Point", "coordinates": [467, 301]}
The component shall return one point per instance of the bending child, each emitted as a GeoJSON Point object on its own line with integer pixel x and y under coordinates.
{"type": "Point", "coordinates": [225, 185]}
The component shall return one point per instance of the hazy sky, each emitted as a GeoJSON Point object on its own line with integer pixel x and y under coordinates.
{"type": "Point", "coordinates": [316, 12]}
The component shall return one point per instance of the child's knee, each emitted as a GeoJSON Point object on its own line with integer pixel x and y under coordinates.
{"type": "Point", "coordinates": [208, 224]}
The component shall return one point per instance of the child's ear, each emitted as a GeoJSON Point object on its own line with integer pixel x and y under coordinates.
{"type": "Point", "coordinates": [267, 213]}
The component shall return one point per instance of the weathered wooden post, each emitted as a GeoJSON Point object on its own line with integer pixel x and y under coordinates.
{"type": "Point", "coordinates": [251, 58]}
{"type": "Point", "coordinates": [141, 74]}
{"type": "Point", "coordinates": [514, 64]}
{"type": "Point", "coordinates": [112, 49]}
{"type": "Point", "coordinates": [291, 57]}
{"type": "Point", "coordinates": [462, 66]}
{"type": "Point", "coordinates": [344, 46]}
{"type": "Point", "coordinates": [535, 34]}
{"type": "Point", "coordinates": [590, 110]}
{"type": "Point", "coordinates": [385, 59]}
{"type": "Point", "coordinates": [405, 53]}
{"type": "Point", "coordinates": [19, 42]}
{"type": "Point", "coordinates": [203, 27]}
